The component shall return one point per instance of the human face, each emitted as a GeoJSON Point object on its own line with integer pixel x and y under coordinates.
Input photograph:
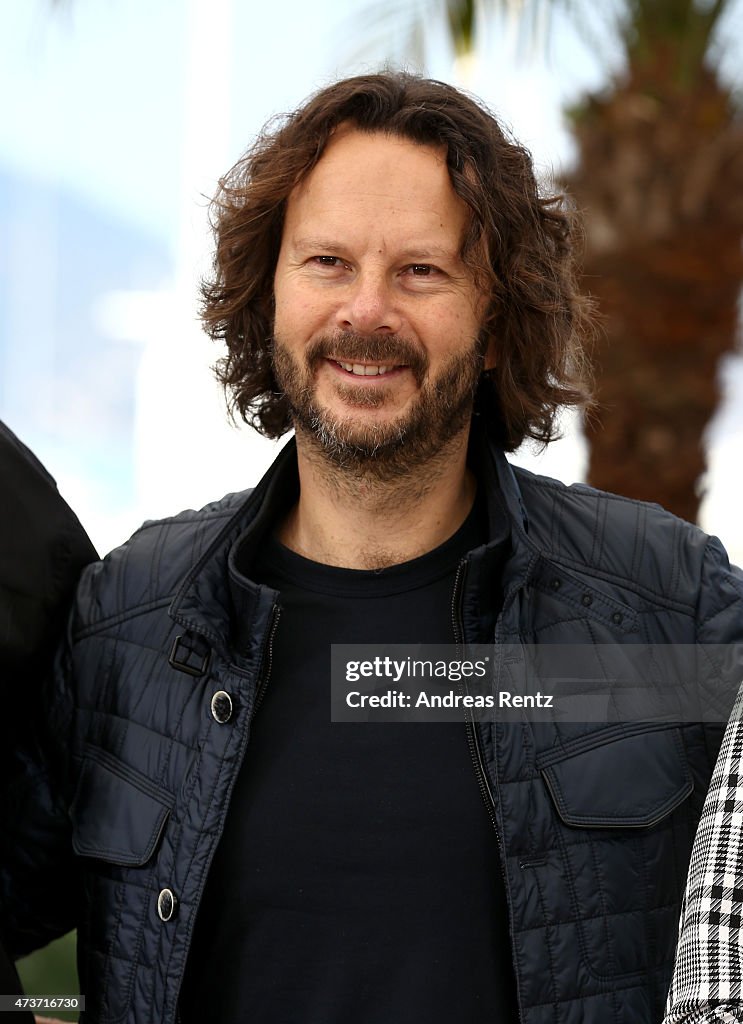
{"type": "Point", "coordinates": [376, 316]}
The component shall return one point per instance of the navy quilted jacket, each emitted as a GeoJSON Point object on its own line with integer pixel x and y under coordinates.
{"type": "Point", "coordinates": [150, 717]}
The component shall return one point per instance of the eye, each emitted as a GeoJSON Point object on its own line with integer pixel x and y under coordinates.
{"type": "Point", "coordinates": [422, 270]}
{"type": "Point", "coordinates": [328, 261]}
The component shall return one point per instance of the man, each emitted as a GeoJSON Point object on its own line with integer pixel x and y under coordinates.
{"type": "Point", "coordinates": [389, 282]}
{"type": "Point", "coordinates": [43, 549]}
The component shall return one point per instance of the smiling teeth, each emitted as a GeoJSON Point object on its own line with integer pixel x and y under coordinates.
{"type": "Point", "coordinates": [365, 371]}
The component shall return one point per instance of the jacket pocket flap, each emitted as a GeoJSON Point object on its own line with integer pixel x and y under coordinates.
{"type": "Point", "coordinates": [631, 782]}
{"type": "Point", "coordinates": [115, 817]}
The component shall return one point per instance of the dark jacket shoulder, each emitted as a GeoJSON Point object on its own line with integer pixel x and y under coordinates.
{"type": "Point", "coordinates": [43, 548]}
{"type": "Point", "coordinates": [636, 544]}
{"type": "Point", "coordinates": [148, 569]}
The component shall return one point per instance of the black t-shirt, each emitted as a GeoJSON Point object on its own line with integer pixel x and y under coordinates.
{"type": "Point", "coordinates": [358, 876]}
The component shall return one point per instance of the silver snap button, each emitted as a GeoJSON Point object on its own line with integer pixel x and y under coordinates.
{"type": "Point", "coordinates": [221, 707]}
{"type": "Point", "coordinates": [166, 904]}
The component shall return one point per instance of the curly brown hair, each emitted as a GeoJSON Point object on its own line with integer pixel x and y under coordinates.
{"type": "Point", "coordinates": [519, 247]}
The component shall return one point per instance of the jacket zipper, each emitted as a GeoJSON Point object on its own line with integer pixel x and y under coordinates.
{"type": "Point", "coordinates": [473, 743]}
{"type": "Point", "coordinates": [472, 739]}
{"type": "Point", "coordinates": [266, 673]}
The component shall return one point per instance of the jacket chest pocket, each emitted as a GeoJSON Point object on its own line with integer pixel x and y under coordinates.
{"type": "Point", "coordinates": [631, 782]}
{"type": "Point", "coordinates": [622, 837]}
{"type": "Point", "coordinates": [118, 820]}
{"type": "Point", "coordinates": [118, 814]}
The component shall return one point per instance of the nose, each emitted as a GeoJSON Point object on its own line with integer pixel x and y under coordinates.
{"type": "Point", "coordinates": [369, 305]}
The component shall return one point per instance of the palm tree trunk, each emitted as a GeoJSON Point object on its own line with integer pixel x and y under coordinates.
{"type": "Point", "coordinates": [660, 181]}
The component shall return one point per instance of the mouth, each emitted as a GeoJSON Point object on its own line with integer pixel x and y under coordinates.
{"type": "Point", "coordinates": [366, 371]}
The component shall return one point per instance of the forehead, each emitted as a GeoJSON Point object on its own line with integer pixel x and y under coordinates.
{"type": "Point", "coordinates": [378, 180]}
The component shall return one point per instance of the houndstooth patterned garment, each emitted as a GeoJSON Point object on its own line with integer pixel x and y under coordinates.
{"type": "Point", "coordinates": [707, 980]}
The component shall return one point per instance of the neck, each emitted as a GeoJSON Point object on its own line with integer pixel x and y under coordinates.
{"type": "Point", "coordinates": [356, 520]}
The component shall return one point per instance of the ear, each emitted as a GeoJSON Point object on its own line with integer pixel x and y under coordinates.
{"type": "Point", "coordinates": [491, 357]}
{"type": "Point", "coordinates": [488, 326]}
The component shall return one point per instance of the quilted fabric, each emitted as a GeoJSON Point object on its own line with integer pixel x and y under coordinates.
{"type": "Point", "coordinates": [595, 821]}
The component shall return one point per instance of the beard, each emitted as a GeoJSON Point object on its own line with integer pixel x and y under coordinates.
{"type": "Point", "coordinates": [440, 412]}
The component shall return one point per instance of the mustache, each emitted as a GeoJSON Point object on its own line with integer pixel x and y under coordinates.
{"type": "Point", "coordinates": [350, 347]}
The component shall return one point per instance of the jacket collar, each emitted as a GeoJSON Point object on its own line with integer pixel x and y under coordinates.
{"type": "Point", "coordinates": [236, 617]}
{"type": "Point", "coordinates": [497, 569]}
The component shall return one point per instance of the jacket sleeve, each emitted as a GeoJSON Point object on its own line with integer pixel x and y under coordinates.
{"type": "Point", "coordinates": [43, 549]}
{"type": "Point", "coordinates": [707, 982]}
{"type": "Point", "coordinates": [39, 875]}
{"type": "Point", "coordinates": [707, 978]}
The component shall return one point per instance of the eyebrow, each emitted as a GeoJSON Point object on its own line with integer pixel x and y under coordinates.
{"type": "Point", "coordinates": [420, 253]}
